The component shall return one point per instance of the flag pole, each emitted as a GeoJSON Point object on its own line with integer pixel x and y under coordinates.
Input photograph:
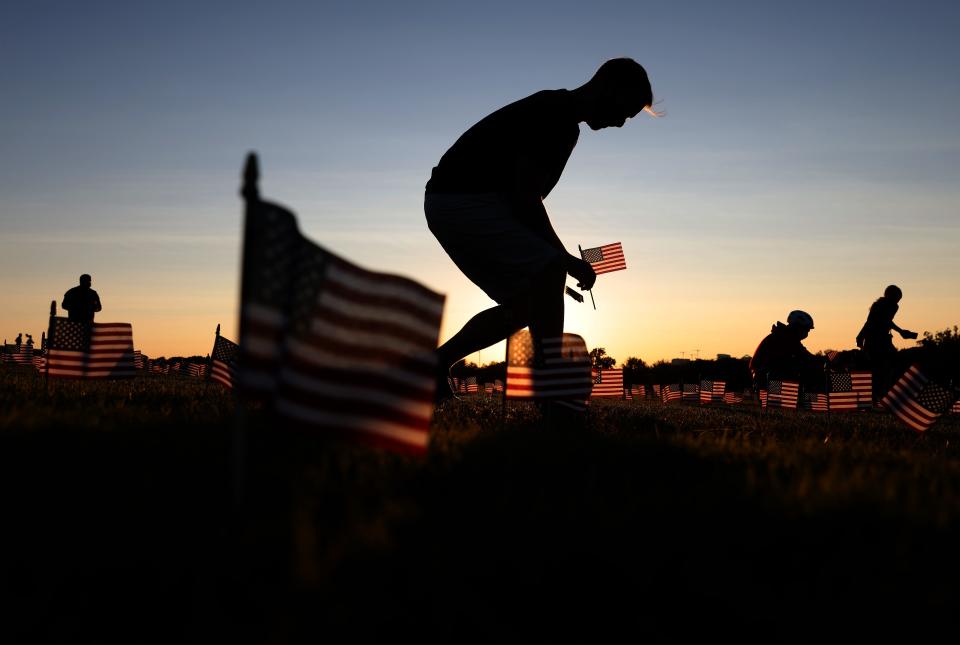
{"type": "Point", "coordinates": [580, 248]}
{"type": "Point", "coordinates": [251, 197]}
{"type": "Point", "coordinates": [49, 336]}
{"type": "Point", "coordinates": [503, 394]}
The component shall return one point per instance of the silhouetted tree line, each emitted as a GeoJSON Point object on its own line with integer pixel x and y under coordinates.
{"type": "Point", "coordinates": [938, 353]}
{"type": "Point", "coordinates": [735, 371]}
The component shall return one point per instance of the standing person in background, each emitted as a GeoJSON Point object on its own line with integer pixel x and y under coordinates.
{"type": "Point", "coordinates": [81, 302]}
{"type": "Point", "coordinates": [876, 341]}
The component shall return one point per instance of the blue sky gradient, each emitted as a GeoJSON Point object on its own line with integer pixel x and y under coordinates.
{"type": "Point", "coordinates": [809, 155]}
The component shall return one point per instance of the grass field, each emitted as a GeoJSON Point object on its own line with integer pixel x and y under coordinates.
{"type": "Point", "coordinates": [651, 523]}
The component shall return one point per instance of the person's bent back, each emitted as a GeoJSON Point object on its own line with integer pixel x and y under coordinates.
{"type": "Point", "coordinates": [781, 353]}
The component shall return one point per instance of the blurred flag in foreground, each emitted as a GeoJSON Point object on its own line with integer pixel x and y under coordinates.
{"type": "Point", "coordinates": [916, 400]}
{"type": "Point", "coordinates": [89, 350]}
{"type": "Point", "coordinates": [332, 346]}
{"type": "Point", "coordinates": [606, 258]}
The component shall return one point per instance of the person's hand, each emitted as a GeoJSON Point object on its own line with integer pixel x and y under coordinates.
{"type": "Point", "coordinates": [907, 334]}
{"type": "Point", "coordinates": [581, 271]}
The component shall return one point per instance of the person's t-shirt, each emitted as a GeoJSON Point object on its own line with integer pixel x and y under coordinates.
{"type": "Point", "coordinates": [81, 303]}
{"type": "Point", "coordinates": [880, 319]}
{"type": "Point", "coordinates": [541, 129]}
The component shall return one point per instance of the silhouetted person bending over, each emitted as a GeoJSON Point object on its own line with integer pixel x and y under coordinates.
{"type": "Point", "coordinates": [781, 354]}
{"type": "Point", "coordinates": [484, 204]}
{"type": "Point", "coordinates": [876, 341]}
{"type": "Point", "coordinates": [81, 302]}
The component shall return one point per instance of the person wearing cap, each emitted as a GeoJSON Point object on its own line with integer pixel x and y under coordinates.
{"type": "Point", "coordinates": [876, 341]}
{"type": "Point", "coordinates": [81, 302]}
{"type": "Point", "coordinates": [484, 205]}
{"type": "Point", "coordinates": [781, 354]}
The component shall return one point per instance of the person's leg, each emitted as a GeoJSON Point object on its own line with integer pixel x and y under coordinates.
{"type": "Point", "coordinates": [546, 304]}
{"type": "Point", "coordinates": [486, 328]}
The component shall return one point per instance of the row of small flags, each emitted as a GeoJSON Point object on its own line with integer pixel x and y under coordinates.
{"type": "Point", "coordinates": [105, 351]}
{"type": "Point", "coordinates": [914, 399]}
{"type": "Point", "coordinates": [328, 345]}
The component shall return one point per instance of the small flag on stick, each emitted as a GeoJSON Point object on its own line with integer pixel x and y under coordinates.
{"type": "Point", "coordinates": [607, 383]}
{"type": "Point", "coordinates": [916, 400]}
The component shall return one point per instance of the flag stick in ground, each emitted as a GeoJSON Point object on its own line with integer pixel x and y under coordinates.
{"type": "Point", "coordinates": [251, 196]}
{"type": "Point", "coordinates": [580, 248]}
{"type": "Point", "coordinates": [46, 365]}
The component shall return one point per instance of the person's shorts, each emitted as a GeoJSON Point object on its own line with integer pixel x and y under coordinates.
{"type": "Point", "coordinates": [497, 253]}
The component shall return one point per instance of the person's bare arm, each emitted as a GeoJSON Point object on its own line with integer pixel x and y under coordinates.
{"type": "Point", "coordinates": [904, 333]}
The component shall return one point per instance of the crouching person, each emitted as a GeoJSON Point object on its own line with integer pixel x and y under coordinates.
{"type": "Point", "coordinates": [781, 355]}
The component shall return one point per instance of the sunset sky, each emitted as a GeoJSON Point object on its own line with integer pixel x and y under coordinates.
{"type": "Point", "coordinates": [810, 156]}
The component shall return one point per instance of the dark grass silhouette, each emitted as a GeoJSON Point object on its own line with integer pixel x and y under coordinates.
{"type": "Point", "coordinates": [653, 522]}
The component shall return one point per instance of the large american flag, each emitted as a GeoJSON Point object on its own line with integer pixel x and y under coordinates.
{"type": "Point", "coordinates": [332, 346]}
{"type": "Point", "coordinates": [606, 258]}
{"type": "Point", "coordinates": [563, 371]}
{"type": "Point", "coordinates": [89, 350]}
{"type": "Point", "coordinates": [916, 400]}
{"type": "Point", "coordinates": [607, 383]}
{"type": "Point", "coordinates": [223, 361]}
{"type": "Point", "coordinates": [780, 394]}
{"type": "Point", "coordinates": [851, 391]}
{"type": "Point", "coordinates": [712, 391]}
